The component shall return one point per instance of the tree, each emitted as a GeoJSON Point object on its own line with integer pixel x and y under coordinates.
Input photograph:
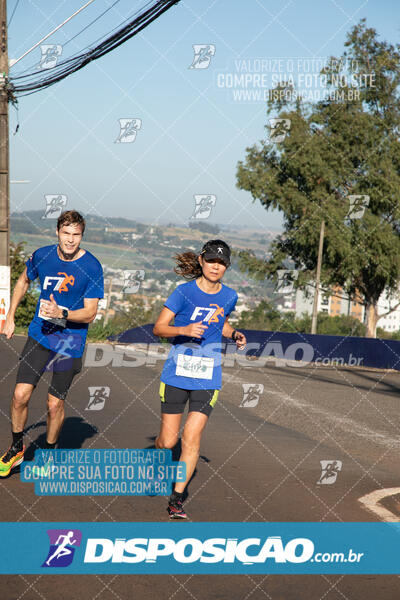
{"type": "Point", "coordinates": [26, 309]}
{"type": "Point", "coordinates": [266, 317]}
{"type": "Point", "coordinates": [344, 145]}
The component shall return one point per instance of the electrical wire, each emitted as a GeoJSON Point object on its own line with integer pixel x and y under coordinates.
{"type": "Point", "coordinates": [52, 32]}
{"type": "Point", "coordinates": [29, 69]}
{"type": "Point", "coordinates": [30, 83]}
{"type": "Point", "coordinates": [13, 13]}
{"type": "Point", "coordinates": [91, 23]}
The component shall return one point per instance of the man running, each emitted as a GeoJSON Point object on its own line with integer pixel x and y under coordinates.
{"type": "Point", "coordinates": [62, 542]}
{"type": "Point", "coordinates": [71, 280]}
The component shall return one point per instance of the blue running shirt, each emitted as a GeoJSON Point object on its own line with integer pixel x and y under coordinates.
{"type": "Point", "coordinates": [186, 357]}
{"type": "Point", "coordinates": [70, 282]}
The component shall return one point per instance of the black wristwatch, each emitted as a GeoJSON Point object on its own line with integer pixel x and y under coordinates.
{"type": "Point", "coordinates": [65, 313]}
{"type": "Point", "coordinates": [234, 332]}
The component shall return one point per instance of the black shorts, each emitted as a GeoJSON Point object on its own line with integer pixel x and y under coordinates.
{"type": "Point", "coordinates": [173, 400]}
{"type": "Point", "coordinates": [35, 358]}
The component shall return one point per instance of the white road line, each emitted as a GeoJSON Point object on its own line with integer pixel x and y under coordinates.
{"type": "Point", "coordinates": [371, 503]}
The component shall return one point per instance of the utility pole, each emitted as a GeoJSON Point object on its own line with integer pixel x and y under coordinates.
{"type": "Point", "coordinates": [317, 279]}
{"type": "Point", "coordinates": [4, 158]}
{"type": "Point", "coordinates": [4, 172]}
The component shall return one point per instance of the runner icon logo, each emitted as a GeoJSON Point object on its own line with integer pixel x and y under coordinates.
{"type": "Point", "coordinates": [286, 279]}
{"type": "Point", "coordinates": [203, 204]}
{"type": "Point", "coordinates": [50, 55]}
{"type": "Point", "coordinates": [128, 130]}
{"type": "Point", "coordinates": [203, 54]}
{"type": "Point", "coordinates": [98, 396]}
{"type": "Point", "coordinates": [132, 281]}
{"type": "Point", "coordinates": [358, 204]}
{"type": "Point", "coordinates": [55, 204]}
{"type": "Point", "coordinates": [278, 129]}
{"type": "Point", "coordinates": [62, 547]}
{"type": "Point", "coordinates": [251, 394]}
{"type": "Point", "coordinates": [329, 471]}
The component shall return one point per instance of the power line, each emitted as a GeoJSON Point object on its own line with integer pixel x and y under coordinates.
{"type": "Point", "coordinates": [86, 27]}
{"type": "Point", "coordinates": [13, 13]}
{"type": "Point", "coordinates": [53, 31]}
{"type": "Point", "coordinates": [91, 23]}
{"type": "Point", "coordinates": [31, 83]}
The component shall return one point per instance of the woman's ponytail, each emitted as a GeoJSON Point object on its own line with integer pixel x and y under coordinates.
{"type": "Point", "coordinates": [188, 265]}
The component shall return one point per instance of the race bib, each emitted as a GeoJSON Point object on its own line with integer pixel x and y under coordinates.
{"type": "Point", "coordinates": [200, 367]}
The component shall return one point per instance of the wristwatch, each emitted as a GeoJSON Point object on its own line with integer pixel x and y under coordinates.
{"type": "Point", "coordinates": [65, 313]}
{"type": "Point", "coordinates": [234, 332]}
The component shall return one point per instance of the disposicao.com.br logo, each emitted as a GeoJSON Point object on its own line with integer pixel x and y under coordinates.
{"type": "Point", "coordinates": [247, 551]}
{"type": "Point", "coordinates": [206, 548]}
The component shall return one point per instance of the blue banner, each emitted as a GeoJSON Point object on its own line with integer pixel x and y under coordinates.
{"type": "Point", "coordinates": [327, 350]}
{"type": "Point", "coordinates": [211, 548]}
{"type": "Point", "coordinates": [293, 349]}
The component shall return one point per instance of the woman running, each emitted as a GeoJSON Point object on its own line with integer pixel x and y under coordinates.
{"type": "Point", "coordinates": [200, 309]}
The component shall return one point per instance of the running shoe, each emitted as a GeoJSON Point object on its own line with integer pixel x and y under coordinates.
{"type": "Point", "coordinates": [175, 509]}
{"type": "Point", "coordinates": [10, 459]}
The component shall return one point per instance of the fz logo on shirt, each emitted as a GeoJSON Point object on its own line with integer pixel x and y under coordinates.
{"type": "Point", "coordinates": [61, 282]}
{"type": "Point", "coordinates": [213, 312]}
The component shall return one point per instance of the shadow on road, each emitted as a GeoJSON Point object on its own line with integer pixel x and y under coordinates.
{"type": "Point", "coordinates": [74, 432]}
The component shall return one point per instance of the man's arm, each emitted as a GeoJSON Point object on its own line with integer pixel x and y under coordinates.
{"type": "Point", "coordinates": [86, 314]}
{"type": "Point", "coordinates": [20, 289]}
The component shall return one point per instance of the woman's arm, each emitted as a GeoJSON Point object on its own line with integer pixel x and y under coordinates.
{"type": "Point", "coordinates": [239, 337]}
{"type": "Point", "coordinates": [163, 328]}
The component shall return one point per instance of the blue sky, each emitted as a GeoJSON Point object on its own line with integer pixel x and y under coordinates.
{"type": "Point", "coordinates": [193, 131]}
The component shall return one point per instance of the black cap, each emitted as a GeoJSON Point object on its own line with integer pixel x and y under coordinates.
{"type": "Point", "coordinates": [217, 249]}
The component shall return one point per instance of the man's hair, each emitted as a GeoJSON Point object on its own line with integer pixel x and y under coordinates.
{"type": "Point", "coordinates": [70, 217]}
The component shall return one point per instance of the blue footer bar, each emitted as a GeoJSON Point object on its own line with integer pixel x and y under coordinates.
{"type": "Point", "coordinates": [211, 548]}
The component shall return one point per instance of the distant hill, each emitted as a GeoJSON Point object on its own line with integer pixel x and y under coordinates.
{"type": "Point", "coordinates": [121, 243]}
{"type": "Point", "coordinates": [32, 221]}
